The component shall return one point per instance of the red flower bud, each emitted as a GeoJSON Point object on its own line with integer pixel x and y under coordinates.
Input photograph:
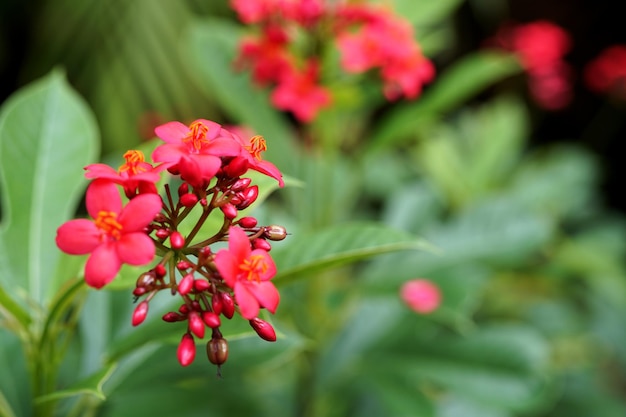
{"type": "Point", "coordinates": [140, 313]}
{"type": "Point", "coordinates": [228, 305]}
{"type": "Point", "coordinates": [162, 233]}
{"type": "Point", "coordinates": [201, 285]}
{"type": "Point", "coordinates": [216, 303]}
{"type": "Point", "coordinates": [247, 222]}
{"type": "Point", "coordinates": [241, 184]}
{"type": "Point", "coordinates": [182, 265]}
{"type": "Point", "coordinates": [186, 284]}
{"type": "Point", "coordinates": [177, 240]}
{"type": "Point", "coordinates": [236, 167]}
{"type": "Point", "coordinates": [139, 291]}
{"type": "Point", "coordinates": [186, 352]}
{"type": "Point", "coordinates": [196, 325]}
{"type": "Point", "coordinates": [188, 200]}
{"type": "Point", "coordinates": [261, 244]}
{"type": "Point", "coordinates": [211, 319]}
{"type": "Point", "coordinates": [146, 281]}
{"type": "Point", "coordinates": [172, 317]}
{"type": "Point", "coordinates": [230, 211]}
{"type": "Point", "coordinates": [184, 309]}
{"type": "Point", "coordinates": [217, 350]}
{"type": "Point", "coordinates": [263, 329]}
{"type": "Point", "coordinates": [183, 189]}
{"type": "Point", "coordinates": [275, 232]}
{"type": "Point", "coordinates": [249, 195]}
{"type": "Point", "coordinates": [160, 271]}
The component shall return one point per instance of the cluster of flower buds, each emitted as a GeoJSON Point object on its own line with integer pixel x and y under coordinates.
{"type": "Point", "coordinates": [367, 36]}
{"type": "Point", "coordinates": [209, 163]}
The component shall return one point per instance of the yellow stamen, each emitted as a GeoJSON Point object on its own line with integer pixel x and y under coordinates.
{"type": "Point", "coordinates": [108, 224]}
{"type": "Point", "coordinates": [197, 136]}
{"type": "Point", "coordinates": [256, 146]}
{"type": "Point", "coordinates": [254, 267]}
{"type": "Point", "coordinates": [134, 163]}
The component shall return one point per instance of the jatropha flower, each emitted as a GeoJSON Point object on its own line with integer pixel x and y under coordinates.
{"type": "Point", "coordinates": [248, 272]}
{"type": "Point", "coordinates": [211, 163]}
{"type": "Point", "coordinates": [421, 295]}
{"type": "Point", "coordinates": [115, 236]}
{"type": "Point", "coordinates": [607, 72]}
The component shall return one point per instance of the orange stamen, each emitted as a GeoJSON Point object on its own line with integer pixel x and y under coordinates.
{"type": "Point", "coordinates": [256, 146]}
{"type": "Point", "coordinates": [108, 224]}
{"type": "Point", "coordinates": [134, 163]}
{"type": "Point", "coordinates": [254, 266]}
{"type": "Point", "coordinates": [197, 136]}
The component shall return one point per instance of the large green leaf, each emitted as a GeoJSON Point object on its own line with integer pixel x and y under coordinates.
{"type": "Point", "coordinates": [339, 245]}
{"type": "Point", "coordinates": [47, 135]}
{"type": "Point", "coordinates": [467, 77]}
{"type": "Point", "coordinates": [425, 12]}
{"type": "Point", "coordinates": [212, 46]}
{"type": "Point", "coordinates": [91, 385]}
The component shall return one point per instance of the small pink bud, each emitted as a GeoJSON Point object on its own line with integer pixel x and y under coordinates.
{"type": "Point", "coordinates": [263, 329]}
{"type": "Point", "coordinates": [162, 233]}
{"type": "Point", "coordinates": [182, 265]}
{"type": "Point", "coordinates": [139, 291]}
{"type": "Point", "coordinates": [140, 313]}
{"type": "Point", "coordinates": [211, 319]}
{"type": "Point", "coordinates": [241, 184]}
{"type": "Point", "coordinates": [186, 284]}
{"type": "Point", "coordinates": [249, 195]}
{"type": "Point", "coordinates": [188, 200]}
{"type": "Point", "coordinates": [186, 352]}
{"type": "Point", "coordinates": [177, 240]}
{"type": "Point", "coordinates": [228, 305]}
{"type": "Point", "coordinates": [205, 251]}
{"type": "Point", "coordinates": [160, 271]}
{"type": "Point", "coordinates": [230, 211]}
{"type": "Point", "coordinates": [236, 167]}
{"type": "Point", "coordinates": [183, 189]}
{"type": "Point", "coordinates": [203, 202]}
{"type": "Point", "coordinates": [196, 325]}
{"type": "Point", "coordinates": [275, 232]}
{"type": "Point", "coordinates": [201, 285]}
{"type": "Point", "coordinates": [216, 303]}
{"type": "Point", "coordinates": [261, 244]}
{"type": "Point", "coordinates": [172, 317]}
{"type": "Point", "coordinates": [236, 200]}
{"type": "Point", "coordinates": [217, 350]}
{"type": "Point", "coordinates": [421, 295]}
{"type": "Point", "coordinates": [248, 222]}
{"type": "Point", "coordinates": [184, 309]}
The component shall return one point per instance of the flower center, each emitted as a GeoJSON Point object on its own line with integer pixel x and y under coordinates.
{"type": "Point", "coordinates": [135, 163]}
{"type": "Point", "coordinates": [108, 224]}
{"type": "Point", "coordinates": [196, 138]}
{"type": "Point", "coordinates": [254, 267]}
{"type": "Point", "coordinates": [256, 146]}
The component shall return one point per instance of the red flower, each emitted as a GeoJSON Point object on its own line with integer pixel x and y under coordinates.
{"type": "Point", "coordinates": [134, 175]}
{"type": "Point", "coordinates": [251, 152]}
{"type": "Point", "coordinates": [607, 72]}
{"type": "Point", "coordinates": [248, 273]}
{"type": "Point", "coordinates": [115, 236]}
{"type": "Point", "coordinates": [254, 11]}
{"type": "Point", "coordinates": [299, 93]}
{"type": "Point", "coordinates": [267, 56]}
{"type": "Point", "coordinates": [421, 295]}
{"type": "Point", "coordinates": [195, 149]}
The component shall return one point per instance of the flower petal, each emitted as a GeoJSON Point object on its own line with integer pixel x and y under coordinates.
{"type": "Point", "coordinates": [172, 132]}
{"type": "Point", "coordinates": [101, 171]}
{"type": "Point", "coordinates": [102, 195]}
{"type": "Point", "coordinates": [139, 212]}
{"type": "Point", "coordinates": [227, 266]}
{"type": "Point", "coordinates": [78, 237]}
{"type": "Point", "coordinates": [248, 304]}
{"type": "Point", "coordinates": [135, 249]}
{"type": "Point", "coordinates": [102, 266]}
{"type": "Point", "coordinates": [270, 266]}
{"type": "Point", "coordinates": [266, 294]}
{"type": "Point", "coordinates": [168, 153]}
{"type": "Point", "coordinates": [238, 244]}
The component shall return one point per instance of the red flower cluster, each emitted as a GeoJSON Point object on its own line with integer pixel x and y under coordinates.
{"type": "Point", "coordinates": [210, 162]}
{"type": "Point", "coordinates": [607, 72]}
{"type": "Point", "coordinates": [541, 46]}
{"type": "Point", "coordinates": [367, 36]}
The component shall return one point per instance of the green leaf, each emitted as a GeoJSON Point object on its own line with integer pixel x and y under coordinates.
{"type": "Point", "coordinates": [425, 12]}
{"type": "Point", "coordinates": [5, 407]}
{"type": "Point", "coordinates": [91, 385]}
{"type": "Point", "coordinates": [47, 136]}
{"type": "Point", "coordinates": [455, 86]}
{"type": "Point", "coordinates": [340, 245]}
{"type": "Point", "coordinates": [212, 45]}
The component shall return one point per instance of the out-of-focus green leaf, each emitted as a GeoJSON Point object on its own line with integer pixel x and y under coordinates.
{"type": "Point", "coordinates": [454, 406]}
{"type": "Point", "coordinates": [14, 379]}
{"type": "Point", "coordinates": [47, 136]}
{"type": "Point", "coordinates": [91, 385]}
{"type": "Point", "coordinates": [212, 46]}
{"type": "Point", "coordinates": [339, 245]}
{"type": "Point", "coordinates": [424, 13]}
{"type": "Point", "coordinates": [5, 407]}
{"type": "Point", "coordinates": [457, 84]}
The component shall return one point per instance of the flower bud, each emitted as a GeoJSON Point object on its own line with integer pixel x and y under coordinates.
{"type": "Point", "coordinates": [177, 240]}
{"type": "Point", "coordinates": [275, 232]}
{"type": "Point", "coordinates": [188, 200]}
{"type": "Point", "coordinates": [263, 329]}
{"type": "Point", "coordinates": [184, 309]}
{"type": "Point", "coordinates": [186, 284]}
{"type": "Point", "coordinates": [182, 265]}
{"type": "Point", "coordinates": [160, 271]}
{"type": "Point", "coordinates": [196, 325]}
{"type": "Point", "coordinates": [201, 285]}
{"type": "Point", "coordinates": [217, 350]}
{"type": "Point", "coordinates": [140, 313]}
{"type": "Point", "coordinates": [162, 233]}
{"type": "Point", "coordinates": [183, 189]}
{"type": "Point", "coordinates": [421, 295]}
{"type": "Point", "coordinates": [247, 222]}
{"type": "Point", "coordinates": [211, 319]}
{"type": "Point", "coordinates": [249, 195]}
{"type": "Point", "coordinates": [172, 317]}
{"type": "Point", "coordinates": [186, 352]}
{"type": "Point", "coordinates": [228, 305]}
{"type": "Point", "coordinates": [146, 281]}
{"type": "Point", "coordinates": [139, 291]}
{"type": "Point", "coordinates": [236, 167]}
{"type": "Point", "coordinates": [261, 244]}
{"type": "Point", "coordinates": [241, 184]}
{"type": "Point", "coordinates": [216, 303]}
{"type": "Point", "coordinates": [230, 211]}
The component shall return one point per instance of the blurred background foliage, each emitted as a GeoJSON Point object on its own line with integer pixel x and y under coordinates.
{"type": "Point", "coordinates": [528, 256]}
